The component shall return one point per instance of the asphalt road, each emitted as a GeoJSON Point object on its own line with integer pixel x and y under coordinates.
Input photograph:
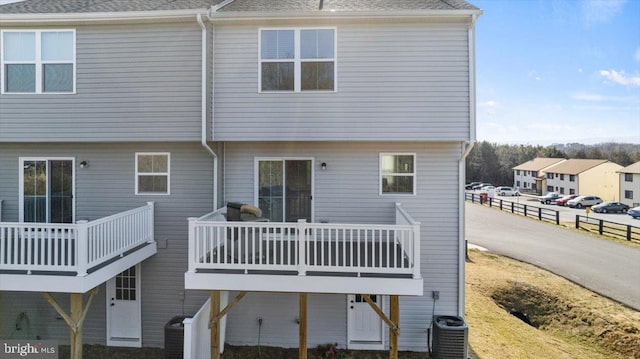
{"type": "Point", "coordinates": [604, 266]}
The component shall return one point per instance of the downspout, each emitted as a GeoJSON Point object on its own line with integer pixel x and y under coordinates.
{"type": "Point", "coordinates": [203, 137]}
{"type": "Point", "coordinates": [465, 150]}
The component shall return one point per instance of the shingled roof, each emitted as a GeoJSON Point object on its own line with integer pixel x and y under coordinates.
{"type": "Point", "coordinates": [575, 166]}
{"type": "Point", "coordinates": [99, 6]}
{"type": "Point", "coordinates": [538, 164]}
{"type": "Point", "coordinates": [633, 168]}
{"type": "Point", "coordinates": [345, 5]}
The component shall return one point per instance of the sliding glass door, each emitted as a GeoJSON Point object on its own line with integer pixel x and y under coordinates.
{"type": "Point", "coordinates": [285, 189]}
{"type": "Point", "coordinates": [47, 190]}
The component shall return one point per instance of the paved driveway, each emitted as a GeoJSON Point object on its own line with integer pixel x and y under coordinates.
{"type": "Point", "coordinates": [603, 266]}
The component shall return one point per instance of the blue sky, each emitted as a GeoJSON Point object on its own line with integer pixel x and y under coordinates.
{"type": "Point", "coordinates": [558, 71]}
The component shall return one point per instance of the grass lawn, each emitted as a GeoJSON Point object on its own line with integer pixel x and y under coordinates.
{"type": "Point", "coordinates": [568, 321]}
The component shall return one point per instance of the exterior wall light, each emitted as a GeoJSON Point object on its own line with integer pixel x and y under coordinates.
{"type": "Point", "coordinates": [323, 166]}
{"type": "Point", "coordinates": [84, 164]}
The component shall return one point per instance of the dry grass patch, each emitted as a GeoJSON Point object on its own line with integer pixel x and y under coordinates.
{"type": "Point", "coordinates": [567, 321]}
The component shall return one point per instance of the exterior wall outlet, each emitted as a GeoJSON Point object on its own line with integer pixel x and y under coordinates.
{"type": "Point", "coordinates": [435, 295]}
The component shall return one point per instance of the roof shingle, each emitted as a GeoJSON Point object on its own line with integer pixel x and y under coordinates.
{"type": "Point", "coordinates": [575, 166]}
{"type": "Point", "coordinates": [538, 164]}
{"type": "Point", "coordinates": [91, 6]}
{"type": "Point", "coordinates": [97, 6]}
{"type": "Point", "coordinates": [633, 168]}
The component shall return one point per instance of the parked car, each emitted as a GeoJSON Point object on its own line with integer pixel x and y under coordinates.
{"type": "Point", "coordinates": [469, 186]}
{"type": "Point", "coordinates": [610, 207]}
{"type": "Point", "coordinates": [549, 197]}
{"type": "Point", "coordinates": [634, 212]}
{"type": "Point", "coordinates": [488, 188]}
{"type": "Point", "coordinates": [584, 201]}
{"type": "Point", "coordinates": [562, 201]}
{"type": "Point", "coordinates": [507, 191]}
{"type": "Point", "coordinates": [480, 185]}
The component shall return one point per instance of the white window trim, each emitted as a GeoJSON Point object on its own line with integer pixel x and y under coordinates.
{"type": "Point", "coordinates": [21, 161]}
{"type": "Point", "coordinates": [414, 174]}
{"type": "Point", "coordinates": [168, 173]}
{"type": "Point", "coordinates": [297, 61]}
{"type": "Point", "coordinates": [39, 64]}
{"type": "Point", "coordinates": [256, 169]}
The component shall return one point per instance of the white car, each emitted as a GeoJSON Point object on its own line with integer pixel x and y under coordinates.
{"type": "Point", "coordinates": [584, 201]}
{"type": "Point", "coordinates": [507, 191]}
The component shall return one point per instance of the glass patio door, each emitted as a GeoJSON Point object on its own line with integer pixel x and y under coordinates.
{"type": "Point", "coordinates": [47, 190]}
{"type": "Point", "coordinates": [285, 189]}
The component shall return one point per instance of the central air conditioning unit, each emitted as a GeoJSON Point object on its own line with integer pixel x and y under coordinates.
{"type": "Point", "coordinates": [450, 338]}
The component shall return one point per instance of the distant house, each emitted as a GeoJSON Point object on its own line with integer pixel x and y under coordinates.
{"type": "Point", "coordinates": [529, 176]}
{"type": "Point", "coordinates": [582, 176]}
{"type": "Point", "coordinates": [630, 184]}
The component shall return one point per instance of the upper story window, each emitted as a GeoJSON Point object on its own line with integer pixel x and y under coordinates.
{"type": "Point", "coordinates": [572, 178]}
{"type": "Point", "coordinates": [397, 173]}
{"type": "Point", "coordinates": [628, 177]}
{"type": "Point", "coordinates": [152, 173]}
{"type": "Point", "coordinates": [38, 61]}
{"type": "Point", "coordinates": [549, 175]}
{"type": "Point", "coordinates": [297, 60]}
{"type": "Point", "coordinates": [534, 174]}
{"type": "Point", "coordinates": [517, 172]}
{"type": "Point", "coordinates": [561, 177]}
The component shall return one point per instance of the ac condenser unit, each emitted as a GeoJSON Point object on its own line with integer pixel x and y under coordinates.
{"type": "Point", "coordinates": [450, 338]}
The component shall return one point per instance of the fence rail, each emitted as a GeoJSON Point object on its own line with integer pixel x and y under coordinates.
{"type": "Point", "coordinates": [73, 247]}
{"type": "Point", "coordinates": [619, 230]}
{"type": "Point", "coordinates": [527, 210]}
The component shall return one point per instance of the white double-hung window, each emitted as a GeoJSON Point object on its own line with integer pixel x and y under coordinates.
{"type": "Point", "coordinates": [153, 172]}
{"type": "Point", "coordinates": [38, 61]}
{"type": "Point", "coordinates": [297, 60]}
{"type": "Point", "coordinates": [397, 173]}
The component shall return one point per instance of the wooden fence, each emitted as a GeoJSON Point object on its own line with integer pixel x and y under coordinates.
{"type": "Point", "coordinates": [527, 210]}
{"type": "Point", "coordinates": [619, 230]}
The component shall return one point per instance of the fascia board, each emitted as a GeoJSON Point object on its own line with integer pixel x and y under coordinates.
{"type": "Point", "coordinates": [298, 15]}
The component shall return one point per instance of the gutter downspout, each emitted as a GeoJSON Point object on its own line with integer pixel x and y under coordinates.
{"type": "Point", "coordinates": [465, 150]}
{"type": "Point", "coordinates": [203, 90]}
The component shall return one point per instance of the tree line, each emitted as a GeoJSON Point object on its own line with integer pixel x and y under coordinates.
{"type": "Point", "coordinates": [493, 163]}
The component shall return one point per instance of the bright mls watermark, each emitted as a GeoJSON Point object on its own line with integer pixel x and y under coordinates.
{"type": "Point", "coordinates": [45, 349]}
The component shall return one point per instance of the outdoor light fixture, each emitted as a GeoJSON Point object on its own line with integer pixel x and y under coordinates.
{"type": "Point", "coordinates": [323, 166]}
{"type": "Point", "coordinates": [84, 164]}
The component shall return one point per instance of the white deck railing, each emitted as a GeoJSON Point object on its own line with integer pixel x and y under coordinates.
{"type": "Point", "coordinates": [73, 247]}
{"type": "Point", "coordinates": [301, 247]}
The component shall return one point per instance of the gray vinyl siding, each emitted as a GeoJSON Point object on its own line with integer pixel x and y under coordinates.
{"type": "Point", "coordinates": [395, 81]}
{"type": "Point", "coordinates": [134, 83]}
{"type": "Point", "coordinates": [348, 192]}
{"type": "Point", "coordinates": [104, 188]}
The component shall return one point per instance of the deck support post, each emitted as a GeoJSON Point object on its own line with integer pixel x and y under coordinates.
{"type": "Point", "coordinates": [302, 351]}
{"type": "Point", "coordinates": [75, 319]}
{"type": "Point", "coordinates": [215, 324]}
{"type": "Point", "coordinates": [394, 307]}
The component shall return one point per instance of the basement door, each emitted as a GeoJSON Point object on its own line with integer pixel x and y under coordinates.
{"type": "Point", "coordinates": [124, 310]}
{"type": "Point", "coordinates": [364, 325]}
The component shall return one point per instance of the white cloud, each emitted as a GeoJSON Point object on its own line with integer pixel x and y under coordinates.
{"type": "Point", "coordinates": [534, 75]}
{"type": "Point", "coordinates": [601, 11]}
{"type": "Point", "coordinates": [620, 77]}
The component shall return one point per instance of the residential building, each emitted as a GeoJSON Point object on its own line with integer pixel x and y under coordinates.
{"type": "Point", "coordinates": [630, 185]}
{"type": "Point", "coordinates": [585, 177]}
{"type": "Point", "coordinates": [339, 120]}
{"type": "Point", "coordinates": [530, 176]}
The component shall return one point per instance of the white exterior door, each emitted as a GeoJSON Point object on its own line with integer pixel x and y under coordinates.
{"type": "Point", "coordinates": [364, 325]}
{"type": "Point", "coordinates": [124, 317]}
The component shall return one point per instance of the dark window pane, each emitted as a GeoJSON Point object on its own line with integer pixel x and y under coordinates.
{"type": "Point", "coordinates": [20, 78]}
{"type": "Point", "coordinates": [277, 76]}
{"type": "Point", "coordinates": [58, 78]}
{"type": "Point", "coordinates": [397, 184]}
{"type": "Point", "coordinates": [145, 163]}
{"type": "Point", "coordinates": [152, 184]}
{"type": "Point", "coordinates": [317, 76]}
